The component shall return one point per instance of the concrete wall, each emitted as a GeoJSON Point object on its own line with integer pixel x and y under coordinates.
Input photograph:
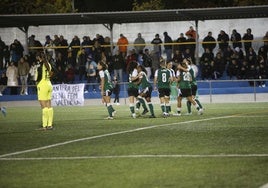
{"type": "Point", "coordinates": [259, 27]}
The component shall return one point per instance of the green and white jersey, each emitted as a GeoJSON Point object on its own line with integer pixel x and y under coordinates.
{"type": "Point", "coordinates": [163, 76]}
{"type": "Point", "coordinates": [193, 74]}
{"type": "Point", "coordinates": [185, 79]}
{"type": "Point", "coordinates": [107, 79]}
{"type": "Point", "coordinates": [133, 83]}
{"type": "Point", "coordinates": [144, 80]}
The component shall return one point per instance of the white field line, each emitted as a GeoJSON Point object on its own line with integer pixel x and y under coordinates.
{"type": "Point", "coordinates": [110, 134]}
{"type": "Point", "coordinates": [134, 156]}
{"type": "Point", "coordinates": [264, 186]}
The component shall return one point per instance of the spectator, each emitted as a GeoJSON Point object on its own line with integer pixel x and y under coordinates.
{"type": "Point", "coordinates": [96, 51]}
{"type": "Point", "coordinates": [107, 48]}
{"type": "Point", "coordinates": [91, 70]}
{"type": "Point", "coordinates": [219, 64]}
{"type": "Point", "coordinates": [177, 58]}
{"type": "Point", "coordinates": [252, 74]}
{"type": "Point", "coordinates": [23, 72]}
{"type": "Point", "coordinates": [99, 38]}
{"type": "Point", "coordinates": [49, 46]}
{"type": "Point", "coordinates": [207, 54]}
{"type": "Point", "coordinates": [236, 39]}
{"type": "Point", "coordinates": [16, 51]}
{"type": "Point", "coordinates": [209, 42]}
{"type": "Point", "coordinates": [265, 42]}
{"type": "Point", "coordinates": [206, 62]}
{"type": "Point", "coordinates": [69, 74]}
{"type": "Point", "coordinates": [12, 78]}
{"type": "Point", "coordinates": [187, 53]}
{"type": "Point", "coordinates": [191, 32]}
{"type": "Point", "coordinates": [71, 60]}
{"type": "Point", "coordinates": [6, 56]}
{"type": "Point", "coordinates": [262, 74]}
{"type": "Point", "coordinates": [118, 65]}
{"type": "Point", "coordinates": [74, 45]}
{"type": "Point", "coordinates": [238, 54]}
{"type": "Point", "coordinates": [56, 43]}
{"type": "Point", "coordinates": [263, 53]}
{"type": "Point", "coordinates": [116, 90]}
{"type": "Point", "coordinates": [139, 43]}
{"type": "Point", "coordinates": [233, 69]}
{"type": "Point", "coordinates": [64, 47]}
{"type": "Point", "coordinates": [228, 54]}
{"type": "Point", "coordinates": [155, 61]}
{"type": "Point", "coordinates": [157, 45]}
{"type": "Point", "coordinates": [180, 43]}
{"type": "Point", "coordinates": [33, 73]}
{"type": "Point", "coordinates": [81, 63]}
{"type": "Point", "coordinates": [36, 44]}
{"type": "Point", "coordinates": [168, 46]}
{"type": "Point", "coordinates": [251, 57]}
{"type": "Point", "coordinates": [223, 40]}
{"type": "Point", "coordinates": [122, 45]}
{"type": "Point", "coordinates": [248, 37]}
{"type": "Point", "coordinates": [2, 48]}
{"type": "Point", "coordinates": [243, 70]}
{"type": "Point", "coordinates": [140, 58]}
{"type": "Point", "coordinates": [191, 46]}
{"type": "Point", "coordinates": [3, 83]}
{"type": "Point", "coordinates": [86, 43]}
{"type": "Point", "coordinates": [132, 57]}
{"type": "Point", "coordinates": [147, 62]}
{"type": "Point", "coordinates": [60, 66]}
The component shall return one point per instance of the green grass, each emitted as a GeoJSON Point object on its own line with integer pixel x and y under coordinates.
{"type": "Point", "coordinates": [223, 129]}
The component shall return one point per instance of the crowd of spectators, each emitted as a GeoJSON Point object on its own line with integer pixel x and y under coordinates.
{"type": "Point", "coordinates": [76, 61]}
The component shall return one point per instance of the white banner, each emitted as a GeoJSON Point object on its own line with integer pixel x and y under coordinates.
{"type": "Point", "coordinates": [68, 95]}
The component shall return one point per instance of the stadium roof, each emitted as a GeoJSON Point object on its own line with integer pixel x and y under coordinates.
{"type": "Point", "coordinates": [24, 20]}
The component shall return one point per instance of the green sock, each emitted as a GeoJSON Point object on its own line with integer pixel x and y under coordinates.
{"type": "Point", "coordinates": [138, 104]}
{"type": "Point", "coordinates": [198, 102]}
{"type": "Point", "coordinates": [132, 109]}
{"type": "Point", "coordinates": [168, 107]}
{"type": "Point", "coordinates": [110, 109]}
{"type": "Point", "coordinates": [189, 106]}
{"type": "Point", "coordinates": [163, 107]}
{"type": "Point", "coordinates": [151, 107]}
{"type": "Point", "coordinates": [141, 100]}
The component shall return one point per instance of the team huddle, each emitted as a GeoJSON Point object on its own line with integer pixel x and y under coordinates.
{"type": "Point", "coordinates": [140, 89]}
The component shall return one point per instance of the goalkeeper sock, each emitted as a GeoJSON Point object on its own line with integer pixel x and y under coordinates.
{"type": "Point", "coordinates": [45, 117]}
{"type": "Point", "coordinates": [189, 106]}
{"type": "Point", "coordinates": [50, 112]}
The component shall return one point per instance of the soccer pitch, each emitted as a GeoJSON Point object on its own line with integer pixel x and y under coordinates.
{"type": "Point", "coordinates": [225, 147]}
